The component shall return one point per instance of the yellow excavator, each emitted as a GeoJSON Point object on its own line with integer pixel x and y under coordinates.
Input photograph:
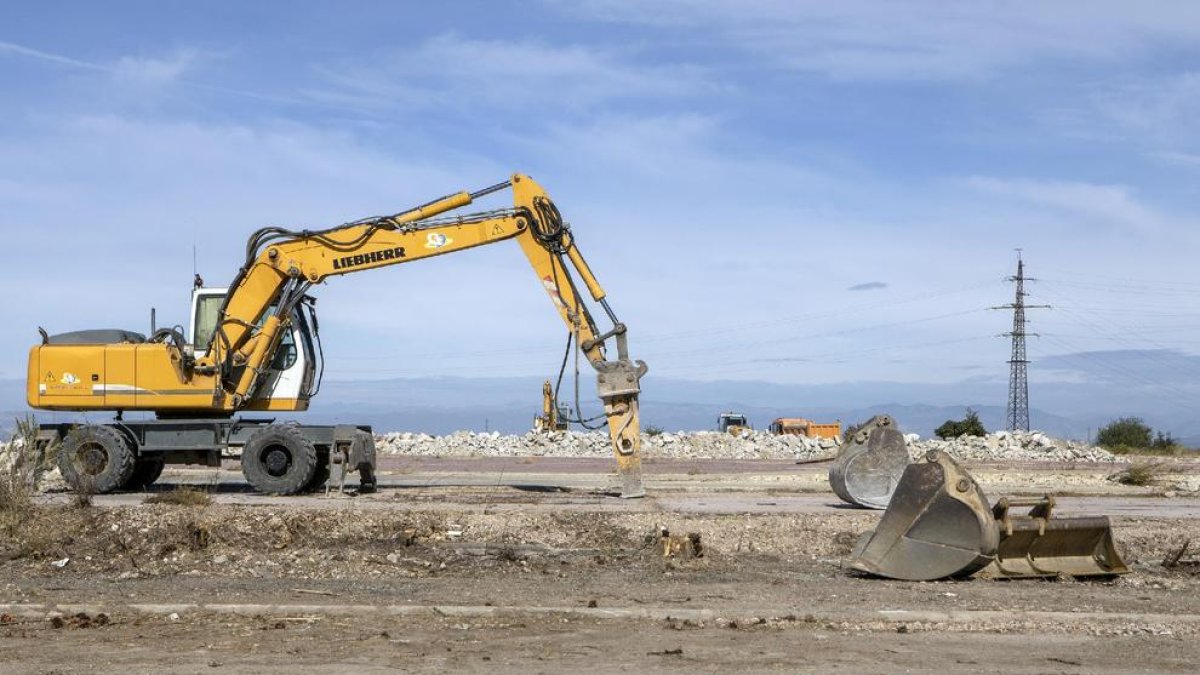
{"type": "Point", "coordinates": [555, 416]}
{"type": "Point", "coordinates": [255, 346]}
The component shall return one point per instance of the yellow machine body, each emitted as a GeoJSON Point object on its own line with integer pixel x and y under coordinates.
{"type": "Point", "coordinates": [120, 376]}
{"type": "Point", "coordinates": [232, 372]}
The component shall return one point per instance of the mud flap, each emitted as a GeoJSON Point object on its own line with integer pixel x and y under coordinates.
{"type": "Point", "coordinates": [870, 465]}
{"type": "Point", "coordinates": [353, 451]}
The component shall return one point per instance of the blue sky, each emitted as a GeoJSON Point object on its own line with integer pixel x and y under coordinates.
{"type": "Point", "coordinates": [785, 191]}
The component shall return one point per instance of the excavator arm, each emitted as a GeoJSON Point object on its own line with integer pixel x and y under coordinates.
{"type": "Point", "coordinates": [281, 265]}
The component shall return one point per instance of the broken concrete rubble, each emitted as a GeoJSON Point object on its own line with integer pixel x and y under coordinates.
{"type": "Point", "coordinates": [1003, 445]}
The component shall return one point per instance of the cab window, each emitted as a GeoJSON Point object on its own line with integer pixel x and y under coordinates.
{"type": "Point", "coordinates": [207, 307]}
{"type": "Point", "coordinates": [285, 355]}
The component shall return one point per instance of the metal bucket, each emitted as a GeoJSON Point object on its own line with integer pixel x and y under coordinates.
{"type": "Point", "coordinates": [937, 525]}
{"type": "Point", "coordinates": [870, 465]}
{"type": "Point", "coordinates": [1037, 545]}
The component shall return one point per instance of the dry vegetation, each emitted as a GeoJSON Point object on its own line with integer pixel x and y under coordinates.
{"type": "Point", "coordinates": [1139, 474]}
{"type": "Point", "coordinates": [22, 467]}
{"type": "Point", "coordinates": [182, 495]}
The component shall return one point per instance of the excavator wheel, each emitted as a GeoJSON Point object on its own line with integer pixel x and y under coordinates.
{"type": "Point", "coordinates": [870, 465]}
{"type": "Point", "coordinates": [96, 459]}
{"type": "Point", "coordinates": [145, 472]}
{"type": "Point", "coordinates": [279, 460]}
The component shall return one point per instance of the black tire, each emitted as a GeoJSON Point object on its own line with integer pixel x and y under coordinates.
{"type": "Point", "coordinates": [96, 459]}
{"type": "Point", "coordinates": [320, 476]}
{"type": "Point", "coordinates": [145, 472]}
{"type": "Point", "coordinates": [279, 460]}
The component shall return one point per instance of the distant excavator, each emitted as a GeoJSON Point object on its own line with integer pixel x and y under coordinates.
{"type": "Point", "coordinates": [554, 416]}
{"type": "Point", "coordinates": [255, 346]}
{"type": "Point", "coordinates": [732, 423]}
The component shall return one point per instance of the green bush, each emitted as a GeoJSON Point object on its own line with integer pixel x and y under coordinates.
{"type": "Point", "coordinates": [1127, 432]}
{"type": "Point", "coordinates": [970, 425]}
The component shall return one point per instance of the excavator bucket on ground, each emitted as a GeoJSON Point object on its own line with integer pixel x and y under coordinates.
{"type": "Point", "coordinates": [939, 525]}
{"type": "Point", "coordinates": [1036, 545]}
{"type": "Point", "coordinates": [870, 465]}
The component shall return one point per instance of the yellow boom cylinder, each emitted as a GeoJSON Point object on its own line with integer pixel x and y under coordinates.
{"type": "Point", "coordinates": [447, 203]}
{"type": "Point", "coordinates": [264, 346]}
{"type": "Point", "coordinates": [585, 272]}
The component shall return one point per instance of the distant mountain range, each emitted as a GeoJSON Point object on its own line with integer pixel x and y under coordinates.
{"type": "Point", "coordinates": [508, 405]}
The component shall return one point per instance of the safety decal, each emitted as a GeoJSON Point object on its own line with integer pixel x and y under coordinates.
{"type": "Point", "coordinates": [552, 289]}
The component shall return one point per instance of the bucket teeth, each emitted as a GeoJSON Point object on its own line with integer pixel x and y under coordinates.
{"type": "Point", "coordinates": [939, 524]}
{"type": "Point", "coordinates": [870, 464]}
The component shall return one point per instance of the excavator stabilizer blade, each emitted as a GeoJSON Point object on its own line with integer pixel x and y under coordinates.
{"type": "Point", "coordinates": [1037, 545]}
{"type": "Point", "coordinates": [937, 524]}
{"type": "Point", "coordinates": [870, 465]}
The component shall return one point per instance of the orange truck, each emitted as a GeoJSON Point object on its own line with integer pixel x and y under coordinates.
{"type": "Point", "coordinates": [799, 426]}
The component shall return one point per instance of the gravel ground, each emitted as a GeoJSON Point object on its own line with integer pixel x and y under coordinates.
{"type": "Point", "coordinates": [762, 591]}
{"type": "Point", "coordinates": [766, 592]}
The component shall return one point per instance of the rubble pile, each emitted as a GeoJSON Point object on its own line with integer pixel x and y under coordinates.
{"type": "Point", "coordinates": [682, 445]}
{"type": "Point", "coordinates": [1013, 446]}
{"type": "Point", "coordinates": [1002, 445]}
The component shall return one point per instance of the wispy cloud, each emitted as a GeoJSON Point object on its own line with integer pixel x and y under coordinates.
{"type": "Point", "coordinates": [1153, 368]}
{"type": "Point", "coordinates": [1161, 109]}
{"type": "Point", "coordinates": [868, 286]}
{"type": "Point", "coordinates": [145, 69]}
{"type": "Point", "coordinates": [140, 72]}
{"type": "Point", "coordinates": [1112, 204]}
{"type": "Point", "coordinates": [11, 48]}
{"type": "Point", "coordinates": [913, 39]}
{"type": "Point", "coordinates": [157, 70]}
{"type": "Point", "coordinates": [1178, 158]}
{"type": "Point", "coordinates": [450, 68]}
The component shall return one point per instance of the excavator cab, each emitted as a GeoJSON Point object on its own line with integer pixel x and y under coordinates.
{"type": "Point", "coordinates": [293, 373]}
{"type": "Point", "coordinates": [732, 423]}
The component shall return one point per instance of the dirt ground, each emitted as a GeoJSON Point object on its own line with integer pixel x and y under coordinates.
{"type": "Point", "coordinates": [472, 570]}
